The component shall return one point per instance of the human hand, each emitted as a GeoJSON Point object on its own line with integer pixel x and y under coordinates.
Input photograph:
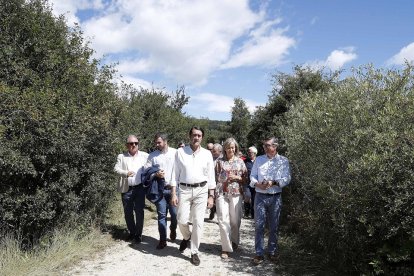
{"type": "Point", "coordinates": [130, 173]}
{"type": "Point", "coordinates": [264, 185]}
{"type": "Point", "coordinates": [234, 177]}
{"type": "Point", "coordinates": [174, 200]}
{"type": "Point", "coordinates": [160, 174]}
{"type": "Point", "coordinates": [210, 202]}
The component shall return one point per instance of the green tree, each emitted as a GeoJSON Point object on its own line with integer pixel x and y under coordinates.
{"type": "Point", "coordinates": [148, 111]}
{"type": "Point", "coordinates": [240, 122]}
{"type": "Point", "coordinates": [352, 150]}
{"type": "Point", "coordinates": [58, 122]}
{"type": "Point", "coordinates": [286, 90]}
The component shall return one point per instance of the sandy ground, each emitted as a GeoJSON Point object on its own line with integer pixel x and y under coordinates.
{"type": "Point", "coordinates": [143, 259]}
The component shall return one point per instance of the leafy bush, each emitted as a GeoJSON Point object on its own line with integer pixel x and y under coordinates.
{"type": "Point", "coordinates": [57, 114]}
{"type": "Point", "coordinates": [353, 155]}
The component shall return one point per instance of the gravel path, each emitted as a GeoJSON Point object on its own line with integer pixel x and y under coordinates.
{"type": "Point", "coordinates": [143, 259]}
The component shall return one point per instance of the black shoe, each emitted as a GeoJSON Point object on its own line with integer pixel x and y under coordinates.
{"type": "Point", "coordinates": [183, 245]}
{"type": "Point", "coordinates": [161, 245]}
{"type": "Point", "coordinates": [173, 235]}
{"type": "Point", "coordinates": [212, 213]}
{"type": "Point", "coordinates": [130, 237]}
{"type": "Point", "coordinates": [138, 239]}
{"type": "Point", "coordinates": [195, 260]}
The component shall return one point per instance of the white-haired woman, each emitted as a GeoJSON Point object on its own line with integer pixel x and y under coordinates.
{"type": "Point", "coordinates": [231, 175]}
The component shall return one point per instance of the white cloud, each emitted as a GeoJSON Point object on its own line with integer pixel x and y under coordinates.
{"type": "Point", "coordinates": [137, 82]}
{"type": "Point", "coordinates": [186, 40]}
{"type": "Point", "coordinates": [405, 54]}
{"type": "Point", "coordinates": [336, 59]}
{"type": "Point", "coordinates": [218, 103]}
{"type": "Point", "coordinates": [266, 46]}
{"type": "Point", "coordinates": [70, 8]}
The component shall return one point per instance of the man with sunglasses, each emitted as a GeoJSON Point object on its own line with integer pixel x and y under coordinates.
{"type": "Point", "coordinates": [269, 174]}
{"type": "Point", "coordinates": [129, 167]}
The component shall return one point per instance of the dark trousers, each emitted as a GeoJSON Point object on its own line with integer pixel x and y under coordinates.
{"type": "Point", "coordinates": [249, 206]}
{"type": "Point", "coordinates": [134, 200]}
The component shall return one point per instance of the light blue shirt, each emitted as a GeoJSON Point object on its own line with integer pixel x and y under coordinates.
{"type": "Point", "coordinates": [265, 168]}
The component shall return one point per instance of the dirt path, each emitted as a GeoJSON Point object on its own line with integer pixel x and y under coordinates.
{"type": "Point", "coordinates": [143, 259]}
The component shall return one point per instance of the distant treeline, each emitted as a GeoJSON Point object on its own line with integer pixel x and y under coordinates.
{"type": "Point", "coordinates": [63, 120]}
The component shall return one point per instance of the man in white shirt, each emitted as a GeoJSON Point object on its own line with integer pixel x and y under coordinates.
{"type": "Point", "coordinates": [270, 173]}
{"type": "Point", "coordinates": [163, 158]}
{"type": "Point", "coordinates": [194, 172]}
{"type": "Point", "coordinates": [129, 167]}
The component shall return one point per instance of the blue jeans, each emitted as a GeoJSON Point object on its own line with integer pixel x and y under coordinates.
{"type": "Point", "coordinates": [266, 207]}
{"type": "Point", "coordinates": [134, 200]}
{"type": "Point", "coordinates": [163, 206]}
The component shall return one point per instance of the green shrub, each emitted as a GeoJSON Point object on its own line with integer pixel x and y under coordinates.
{"type": "Point", "coordinates": [57, 114]}
{"type": "Point", "coordinates": [353, 157]}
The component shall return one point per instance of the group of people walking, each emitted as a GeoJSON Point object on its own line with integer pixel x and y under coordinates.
{"type": "Point", "coordinates": [191, 178]}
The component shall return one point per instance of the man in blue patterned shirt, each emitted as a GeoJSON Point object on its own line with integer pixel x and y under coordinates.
{"type": "Point", "coordinates": [270, 173]}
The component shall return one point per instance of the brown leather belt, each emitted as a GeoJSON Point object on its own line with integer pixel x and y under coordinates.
{"type": "Point", "coordinates": [194, 185]}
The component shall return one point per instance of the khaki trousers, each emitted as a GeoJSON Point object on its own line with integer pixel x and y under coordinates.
{"type": "Point", "coordinates": [229, 213]}
{"type": "Point", "coordinates": [191, 208]}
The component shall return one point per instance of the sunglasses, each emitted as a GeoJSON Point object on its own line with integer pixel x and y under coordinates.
{"type": "Point", "coordinates": [133, 143]}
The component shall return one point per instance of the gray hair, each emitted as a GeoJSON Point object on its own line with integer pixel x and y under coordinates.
{"type": "Point", "coordinates": [218, 146]}
{"type": "Point", "coordinates": [131, 136]}
{"type": "Point", "coordinates": [253, 149]}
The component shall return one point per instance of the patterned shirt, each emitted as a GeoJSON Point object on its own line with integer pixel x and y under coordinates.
{"type": "Point", "coordinates": [265, 168]}
{"type": "Point", "coordinates": [223, 170]}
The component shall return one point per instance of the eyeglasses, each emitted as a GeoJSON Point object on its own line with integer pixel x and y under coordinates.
{"type": "Point", "coordinates": [133, 143]}
{"type": "Point", "coordinates": [267, 145]}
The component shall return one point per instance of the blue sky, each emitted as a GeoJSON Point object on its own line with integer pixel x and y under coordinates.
{"type": "Point", "coordinates": [223, 49]}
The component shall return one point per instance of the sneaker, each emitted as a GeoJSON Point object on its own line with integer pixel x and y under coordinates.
{"type": "Point", "coordinates": [224, 255]}
{"type": "Point", "coordinates": [274, 257]}
{"type": "Point", "coordinates": [173, 235]}
{"type": "Point", "coordinates": [161, 245]}
{"type": "Point", "coordinates": [258, 260]}
{"type": "Point", "coordinates": [183, 245]}
{"type": "Point", "coordinates": [234, 245]}
{"type": "Point", "coordinates": [195, 260]}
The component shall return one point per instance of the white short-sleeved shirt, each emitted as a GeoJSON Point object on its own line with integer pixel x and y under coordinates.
{"type": "Point", "coordinates": [165, 161]}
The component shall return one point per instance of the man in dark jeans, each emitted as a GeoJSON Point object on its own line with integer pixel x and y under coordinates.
{"type": "Point", "coordinates": [270, 173]}
{"type": "Point", "coordinates": [163, 157]}
{"type": "Point", "coordinates": [249, 201]}
{"type": "Point", "coordinates": [129, 167]}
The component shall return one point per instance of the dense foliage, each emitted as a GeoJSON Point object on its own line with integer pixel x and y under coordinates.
{"type": "Point", "coordinates": [287, 88]}
{"type": "Point", "coordinates": [353, 156]}
{"type": "Point", "coordinates": [240, 123]}
{"type": "Point", "coordinates": [63, 120]}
